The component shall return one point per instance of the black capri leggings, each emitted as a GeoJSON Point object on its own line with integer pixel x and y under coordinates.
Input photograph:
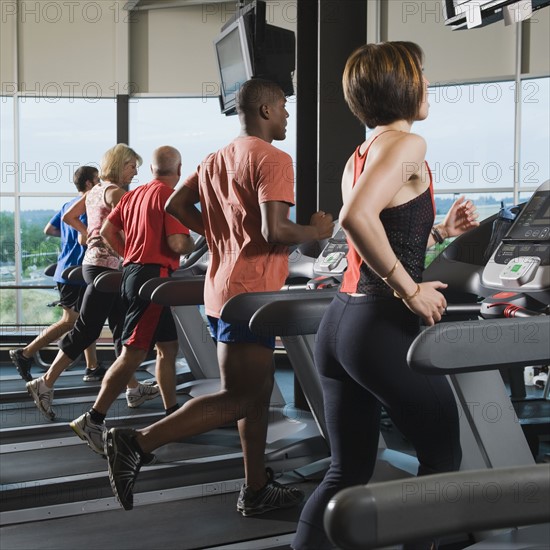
{"type": "Point", "coordinates": [360, 354]}
{"type": "Point", "coordinates": [96, 308]}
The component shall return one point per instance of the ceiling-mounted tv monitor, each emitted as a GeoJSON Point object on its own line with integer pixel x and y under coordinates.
{"type": "Point", "coordinates": [248, 47]}
{"type": "Point", "coordinates": [234, 63]}
{"type": "Point", "coordinates": [467, 14]}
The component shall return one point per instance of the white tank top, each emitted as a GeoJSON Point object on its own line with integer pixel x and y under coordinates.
{"type": "Point", "coordinates": [98, 252]}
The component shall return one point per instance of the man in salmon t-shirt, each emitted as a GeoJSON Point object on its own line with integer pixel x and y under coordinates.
{"type": "Point", "coordinates": [245, 190]}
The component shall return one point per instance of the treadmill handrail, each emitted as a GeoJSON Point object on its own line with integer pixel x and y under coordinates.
{"type": "Point", "coordinates": [75, 275]}
{"type": "Point", "coordinates": [395, 512]}
{"type": "Point", "coordinates": [108, 281]}
{"type": "Point", "coordinates": [456, 309]}
{"type": "Point", "coordinates": [291, 317]}
{"type": "Point", "coordinates": [50, 270]}
{"type": "Point", "coordinates": [471, 346]}
{"type": "Point", "coordinates": [147, 289]}
{"type": "Point", "coordinates": [241, 308]}
{"type": "Point", "coordinates": [66, 273]}
{"type": "Point", "coordinates": [179, 292]}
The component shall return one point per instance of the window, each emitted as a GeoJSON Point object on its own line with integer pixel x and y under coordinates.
{"type": "Point", "coordinates": [57, 136]}
{"type": "Point", "coordinates": [194, 126]}
{"type": "Point", "coordinates": [7, 245]}
{"type": "Point", "coordinates": [37, 249]}
{"type": "Point", "coordinates": [7, 145]}
{"type": "Point", "coordinates": [470, 136]}
{"type": "Point", "coordinates": [535, 132]}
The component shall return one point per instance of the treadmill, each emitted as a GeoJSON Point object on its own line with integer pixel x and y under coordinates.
{"type": "Point", "coordinates": [511, 329]}
{"type": "Point", "coordinates": [56, 480]}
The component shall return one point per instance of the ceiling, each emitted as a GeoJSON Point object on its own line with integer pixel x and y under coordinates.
{"type": "Point", "coordinates": [142, 5]}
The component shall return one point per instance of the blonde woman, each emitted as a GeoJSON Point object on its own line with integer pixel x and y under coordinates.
{"type": "Point", "coordinates": [118, 166]}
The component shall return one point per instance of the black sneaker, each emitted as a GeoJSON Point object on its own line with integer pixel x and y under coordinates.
{"type": "Point", "coordinates": [94, 375]}
{"type": "Point", "coordinates": [22, 364]}
{"type": "Point", "coordinates": [125, 460]}
{"type": "Point", "coordinates": [272, 497]}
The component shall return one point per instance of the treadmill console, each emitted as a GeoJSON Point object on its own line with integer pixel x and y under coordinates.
{"type": "Point", "coordinates": [332, 260]}
{"type": "Point", "coordinates": [523, 258]}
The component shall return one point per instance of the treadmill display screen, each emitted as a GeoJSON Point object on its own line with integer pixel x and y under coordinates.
{"type": "Point", "coordinates": [533, 224]}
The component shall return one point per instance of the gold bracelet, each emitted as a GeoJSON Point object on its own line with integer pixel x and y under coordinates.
{"type": "Point", "coordinates": [385, 279]}
{"type": "Point", "coordinates": [408, 298]}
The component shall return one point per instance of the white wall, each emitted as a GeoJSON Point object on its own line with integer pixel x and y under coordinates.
{"type": "Point", "coordinates": [95, 47]}
{"type": "Point", "coordinates": [180, 52]}
{"type": "Point", "coordinates": [63, 48]}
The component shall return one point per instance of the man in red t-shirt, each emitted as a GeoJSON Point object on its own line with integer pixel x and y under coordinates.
{"type": "Point", "coordinates": [151, 242]}
{"type": "Point", "coordinates": [245, 191]}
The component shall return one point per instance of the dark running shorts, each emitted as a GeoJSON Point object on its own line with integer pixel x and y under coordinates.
{"type": "Point", "coordinates": [70, 296]}
{"type": "Point", "coordinates": [146, 323]}
{"type": "Point", "coordinates": [237, 332]}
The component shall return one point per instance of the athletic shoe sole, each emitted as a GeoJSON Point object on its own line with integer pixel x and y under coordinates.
{"type": "Point", "coordinates": [123, 494]}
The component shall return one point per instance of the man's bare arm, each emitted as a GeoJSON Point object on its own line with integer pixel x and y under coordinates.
{"type": "Point", "coordinates": [113, 237]}
{"type": "Point", "coordinates": [181, 205]}
{"type": "Point", "coordinates": [52, 231]}
{"type": "Point", "coordinates": [180, 243]}
{"type": "Point", "coordinates": [278, 229]}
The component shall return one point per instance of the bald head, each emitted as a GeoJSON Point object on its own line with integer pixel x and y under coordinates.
{"type": "Point", "coordinates": [166, 161]}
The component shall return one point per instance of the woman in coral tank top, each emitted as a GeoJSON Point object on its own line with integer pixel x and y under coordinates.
{"type": "Point", "coordinates": [388, 215]}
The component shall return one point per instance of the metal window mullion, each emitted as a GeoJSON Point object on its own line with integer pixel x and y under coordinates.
{"type": "Point", "coordinates": [17, 181]}
{"type": "Point", "coordinates": [378, 19]}
{"type": "Point", "coordinates": [517, 113]}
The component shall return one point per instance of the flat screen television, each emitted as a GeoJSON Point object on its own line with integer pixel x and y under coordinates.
{"type": "Point", "coordinates": [464, 14]}
{"type": "Point", "coordinates": [234, 63]}
{"type": "Point", "coordinates": [247, 47]}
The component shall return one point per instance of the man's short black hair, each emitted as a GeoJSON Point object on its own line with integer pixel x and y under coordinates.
{"type": "Point", "coordinates": [256, 92]}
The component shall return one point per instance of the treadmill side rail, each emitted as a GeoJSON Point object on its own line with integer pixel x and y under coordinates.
{"type": "Point", "coordinates": [468, 346]}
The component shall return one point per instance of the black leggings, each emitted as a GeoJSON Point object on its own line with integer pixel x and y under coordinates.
{"type": "Point", "coordinates": [360, 354]}
{"type": "Point", "coordinates": [96, 308]}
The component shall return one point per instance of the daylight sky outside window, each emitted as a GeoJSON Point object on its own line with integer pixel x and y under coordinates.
{"type": "Point", "coordinates": [57, 136]}
{"type": "Point", "coordinates": [470, 135]}
{"type": "Point", "coordinates": [8, 167]}
{"type": "Point", "coordinates": [535, 132]}
{"type": "Point", "coordinates": [194, 126]}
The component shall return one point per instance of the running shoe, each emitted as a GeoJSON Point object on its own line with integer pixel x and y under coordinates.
{"type": "Point", "coordinates": [145, 393]}
{"type": "Point", "coordinates": [42, 396]}
{"type": "Point", "coordinates": [94, 375]}
{"type": "Point", "coordinates": [22, 364]}
{"type": "Point", "coordinates": [125, 460]}
{"type": "Point", "coordinates": [271, 497]}
{"type": "Point", "coordinates": [90, 432]}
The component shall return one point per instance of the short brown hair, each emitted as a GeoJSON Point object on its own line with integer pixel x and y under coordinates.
{"type": "Point", "coordinates": [383, 82]}
{"type": "Point", "coordinates": [83, 175]}
{"type": "Point", "coordinates": [115, 159]}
